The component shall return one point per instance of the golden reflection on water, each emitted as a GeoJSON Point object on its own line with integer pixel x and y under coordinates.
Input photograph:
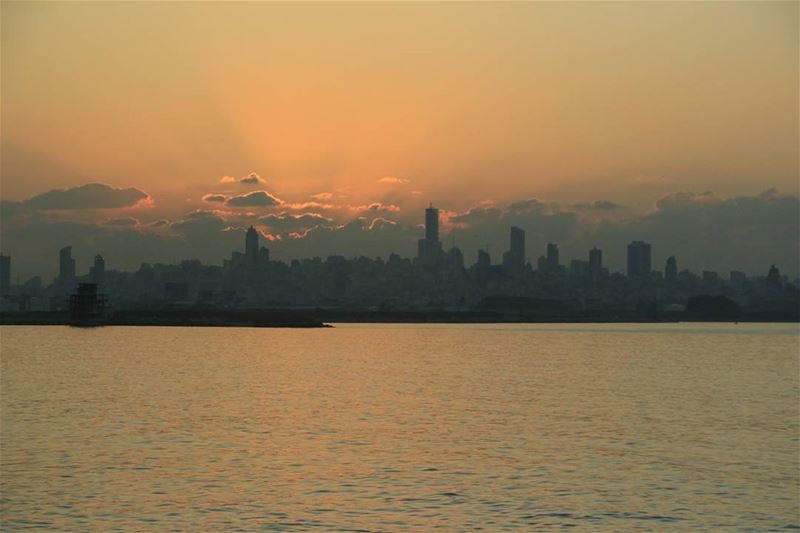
{"type": "Point", "coordinates": [401, 427]}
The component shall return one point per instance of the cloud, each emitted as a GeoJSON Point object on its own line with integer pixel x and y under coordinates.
{"type": "Point", "coordinates": [10, 209]}
{"type": "Point", "coordinates": [526, 205]}
{"type": "Point", "coordinates": [124, 222]}
{"type": "Point", "coordinates": [251, 179]}
{"type": "Point", "coordinates": [376, 207]}
{"type": "Point", "coordinates": [322, 196]}
{"type": "Point", "coordinates": [393, 180]}
{"type": "Point", "coordinates": [302, 206]}
{"type": "Point", "coordinates": [88, 196]}
{"type": "Point", "coordinates": [381, 223]}
{"type": "Point", "coordinates": [703, 230]}
{"type": "Point", "coordinates": [683, 200]}
{"type": "Point", "coordinates": [200, 223]}
{"type": "Point", "coordinates": [288, 222]}
{"type": "Point", "coordinates": [215, 198]}
{"type": "Point", "coordinates": [253, 199]}
{"type": "Point", "coordinates": [599, 205]}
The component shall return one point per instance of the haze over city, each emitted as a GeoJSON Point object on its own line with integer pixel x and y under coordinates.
{"type": "Point", "coordinates": [160, 132]}
{"type": "Point", "coordinates": [396, 266]}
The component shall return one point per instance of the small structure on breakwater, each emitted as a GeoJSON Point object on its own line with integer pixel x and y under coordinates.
{"type": "Point", "coordinates": [87, 307]}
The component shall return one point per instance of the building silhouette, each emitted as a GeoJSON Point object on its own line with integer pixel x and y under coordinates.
{"type": "Point", "coordinates": [5, 275]}
{"type": "Point", "coordinates": [66, 268]}
{"type": "Point", "coordinates": [429, 249]}
{"type": "Point", "coordinates": [436, 280]}
{"type": "Point", "coordinates": [514, 258]}
{"type": "Point", "coordinates": [595, 263]}
{"type": "Point", "coordinates": [484, 259]}
{"type": "Point", "coordinates": [551, 261]}
{"type": "Point", "coordinates": [671, 269]}
{"type": "Point", "coordinates": [251, 246]}
{"type": "Point", "coordinates": [638, 259]}
{"type": "Point", "coordinates": [97, 272]}
{"type": "Point", "coordinates": [86, 306]}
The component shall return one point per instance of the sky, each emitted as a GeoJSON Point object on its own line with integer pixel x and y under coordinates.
{"type": "Point", "coordinates": [157, 131]}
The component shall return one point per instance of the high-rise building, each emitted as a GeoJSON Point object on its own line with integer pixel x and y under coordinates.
{"type": "Point", "coordinates": [66, 268]}
{"type": "Point", "coordinates": [552, 257]}
{"type": "Point", "coordinates": [251, 246]}
{"type": "Point", "coordinates": [541, 263]}
{"type": "Point", "coordinates": [578, 268]}
{"type": "Point", "coordinates": [514, 258]}
{"type": "Point", "coordinates": [671, 269]}
{"type": "Point", "coordinates": [774, 282]}
{"type": "Point", "coordinates": [432, 224]}
{"type": "Point", "coordinates": [738, 277]}
{"type": "Point", "coordinates": [5, 275]}
{"type": "Point", "coordinates": [638, 259]}
{"type": "Point", "coordinates": [98, 271]}
{"type": "Point", "coordinates": [430, 248]}
{"type": "Point", "coordinates": [595, 262]}
{"type": "Point", "coordinates": [517, 238]}
{"type": "Point", "coordinates": [263, 255]}
{"type": "Point", "coordinates": [484, 260]}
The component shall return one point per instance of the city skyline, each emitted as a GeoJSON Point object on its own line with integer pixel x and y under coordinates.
{"type": "Point", "coordinates": [437, 279]}
{"type": "Point", "coordinates": [204, 119]}
{"type": "Point", "coordinates": [402, 238]}
{"type": "Point", "coordinates": [431, 255]}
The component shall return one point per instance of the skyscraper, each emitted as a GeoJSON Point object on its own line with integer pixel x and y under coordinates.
{"type": "Point", "coordinates": [5, 275]}
{"type": "Point", "coordinates": [484, 260]}
{"type": "Point", "coordinates": [98, 270]}
{"type": "Point", "coordinates": [263, 255]}
{"type": "Point", "coordinates": [517, 238]}
{"type": "Point", "coordinates": [595, 262]}
{"type": "Point", "coordinates": [251, 246]}
{"type": "Point", "coordinates": [671, 269]}
{"type": "Point", "coordinates": [638, 259]}
{"type": "Point", "coordinates": [432, 224]}
{"type": "Point", "coordinates": [430, 248]}
{"type": "Point", "coordinates": [552, 257]}
{"type": "Point", "coordinates": [66, 268]}
{"type": "Point", "coordinates": [514, 258]}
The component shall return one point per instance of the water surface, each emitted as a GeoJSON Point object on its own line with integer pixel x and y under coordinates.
{"type": "Point", "coordinates": [671, 427]}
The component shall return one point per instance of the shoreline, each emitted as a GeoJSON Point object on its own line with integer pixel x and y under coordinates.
{"type": "Point", "coordinates": [322, 318]}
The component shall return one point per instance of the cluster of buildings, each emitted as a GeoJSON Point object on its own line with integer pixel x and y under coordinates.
{"type": "Point", "coordinates": [436, 278]}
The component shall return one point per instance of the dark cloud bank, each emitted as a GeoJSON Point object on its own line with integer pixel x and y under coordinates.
{"type": "Point", "coordinates": [89, 196]}
{"type": "Point", "coordinates": [704, 231]}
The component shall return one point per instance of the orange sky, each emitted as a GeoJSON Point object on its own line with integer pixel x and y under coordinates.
{"type": "Point", "coordinates": [467, 102]}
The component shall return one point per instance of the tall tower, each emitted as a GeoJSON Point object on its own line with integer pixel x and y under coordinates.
{"type": "Point", "coordinates": [251, 246]}
{"type": "Point", "coordinates": [66, 268]}
{"type": "Point", "coordinates": [98, 270]}
{"type": "Point", "coordinates": [671, 269]}
{"type": "Point", "coordinates": [595, 262]}
{"type": "Point", "coordinates": [638, 259]}
{"type": "Point", "coordinates": [484, 260]}
{"type": "Point", "coordinates": [5, 275]}
{"type": "Point", "coordinates": [552, 257]}
{"type": "Point", "coordinates": [517, 244]}
{"type": "Point", "coordinates": [430, 248]}
{"type": "Point", "coordinates": [432, 224]}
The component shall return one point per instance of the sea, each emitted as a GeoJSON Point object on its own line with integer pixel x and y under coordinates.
{"type": "Point", "coordinates": [401, 427]}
